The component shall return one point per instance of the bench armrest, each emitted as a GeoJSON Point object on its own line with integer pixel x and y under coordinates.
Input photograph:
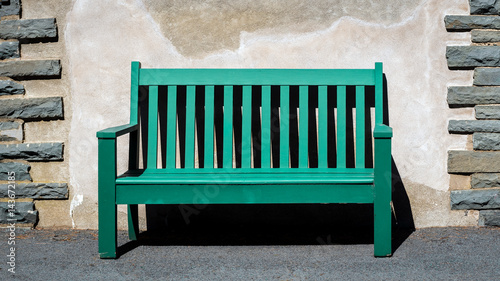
{"type": "Point", "coordinates": [114, 132]}
{"type": "Point", "coordinates": [382, 131]}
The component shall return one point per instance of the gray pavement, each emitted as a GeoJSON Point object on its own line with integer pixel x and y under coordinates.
{"type": "Point", "coordinates": [426, 254]}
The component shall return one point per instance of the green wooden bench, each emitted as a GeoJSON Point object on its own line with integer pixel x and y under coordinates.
{"type": "Point", "coordinates": [174, 93]}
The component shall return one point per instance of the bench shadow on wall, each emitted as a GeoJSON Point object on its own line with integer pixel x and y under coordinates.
{"type": "Point", "coordinates": [268, 224]}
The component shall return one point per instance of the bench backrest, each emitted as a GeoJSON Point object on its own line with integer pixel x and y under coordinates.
{"type": "Point", "coordinates": [250, 109]}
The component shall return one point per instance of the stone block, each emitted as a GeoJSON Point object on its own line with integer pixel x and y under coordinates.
{"type": "Point", "coordinates": [486, 141]}
{"type": "Point", "coordinates": [28, 29]}
{"type": "Point", "coordinates": [485, 36]}
{"type": "Point", "coordinates": [32, 109]}
{"type": "Point", "coordinates": [470, 96]}
{"type": "Point", "coordinates": [487, 111]}
{"type": "Point", "coordinates": [472, 126]}
{"type": "Point", "coordinates": [23, 212]}
{"type": "Point", "coordinates": [486, 76]}
{"type": "Point", "coordinates": [30, 68]}
{"type": "Point", "coordinates": [484, 7]}
{"type": "Point", "coordinates": [475, 199]}
{"type": "Point", "coordinates": [11, 131]}
{"type": "Point", "coordinates": [9, 50]}
{"type": "Point", "coordinates": [485, 180]}
{"type": "Point", "coordinates": [467, 23]}
{"type": "Point", "coordinates": [32, 151]}
{"type": "Point", "coordinates": [12, 7]}
{"type": "Point", "coordinates": [8, 87]}
{"type": "Point", "coordinates": [472, 56]}
{"type": "Point", "coordinates": [21, 171]}
{"type": "Point", "coordinates": [37, 190]}
{"type": "Point", "coordinates": [468, 162]}
{"type": "Point", "coordinates": [489, 218]}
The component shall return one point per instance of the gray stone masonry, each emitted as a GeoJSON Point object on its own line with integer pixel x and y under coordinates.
{"type": "Point", "coordinates": [37, 190]}
{"type": "Point", "coordinates": [8, 87]}
{"type": "Point", "coordinates": [486, 76]}
{"type": "Point", "coordinates": [28, 29]}
{"type": "Point", "coordinates": [11, 131]}
{"type": "Point", "coordinates": [486, 141]}
{"type": "Point", "coordinates": [484, 7]}
{"type": "Point", "coordinates": [30, 68]}
{"type": "Point", "coordinates": [475, 199]}
{"type": "Point", "coordinates": [24, 212]}
{"type": "Point", "coordinates": [12, 7]}
{"type": "Point", "coordinates": [485, 180]}
{"type": "Point", "coordinates": [472, 126]}
{"type": "Point", "coordinates": [32, 109]}
{"type": "Point", "coordinates": [9, 50]}
{"type": "Point", "coordinates": [470, 96]}
{"type": "Point", "coordinates": [487, 111]}
{"type": "Point", "coordinates": [32, 151]}
{"type": "Point", "coordinates": [472, 56]}
{"type": "Point", "coordinates": [485, 36]}
{"type": "Point", "coordinates": [21, 171]}
{"type": "Point", "coordinates": [468, 162]}
{"type": "Point", "coordinates": [467, 23]}
{"type": "Point", "coordinates": [489, 218]}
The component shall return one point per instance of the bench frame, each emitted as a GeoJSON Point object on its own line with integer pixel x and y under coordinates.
{"type": "Point", "coordinates": [335, 185]}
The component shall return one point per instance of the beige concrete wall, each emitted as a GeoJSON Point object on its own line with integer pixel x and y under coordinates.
{"type": "Point", "coordinates": [99, 38]}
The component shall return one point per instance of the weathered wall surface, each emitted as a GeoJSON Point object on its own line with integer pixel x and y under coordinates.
{"type": "Point", "coordinates": [100, 38]}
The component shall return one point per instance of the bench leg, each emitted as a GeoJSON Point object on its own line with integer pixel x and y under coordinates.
{"type": "Point", "coordinates": [133, 221]}
{"type": "Point", "coordinates": [383, 228]}
{"type": "Point", "coordinates": [382, 201]}
{"type": "Point", "coordinates": [107, 231]}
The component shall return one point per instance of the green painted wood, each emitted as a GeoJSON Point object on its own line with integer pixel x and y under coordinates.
{"type": "Point", "coordinates": [209, 127]}
{"type": "Point", "coordinates": [360, 127]}
{"type": "Point", "coordinates": [383, 191]}
{"type": "Point", "coordinates": [266, 127]}
{"type": "Point", "coordinates": [256, 77]}
{"type": "Point", "coordinates": [134, 92]}
{"type": "Point", "coordinates": [153, 128]}
{"type": "Point", "coordinates": [171, 125]}
{"type": "Point", "coordinates": [284, 126]}
{"type": "Point", "coordinates": [244, 194]}
{"type": "Point", "coordinates": [114, 132]}
{"type": "Point", "coordinates": [252, 171]}
{"type": "Point", "coordinates": [106, 196]}
{"type": "Point", "coordinates": [246, 128]}
{"type": "Point", "coordinates": [341, 127]}
{"type": "Point", "coordinates": [133, 221]}
{"type": "Point", "coordinates": [190, 115]}
{"type": "Point", "coordinates": [303, 126]}
{"type": "Point", "coordinates": [379, 94]}
{"type": "Point", "coordinates": [227, 143]}
{"type": "Point", "coordinates": [323, 127]}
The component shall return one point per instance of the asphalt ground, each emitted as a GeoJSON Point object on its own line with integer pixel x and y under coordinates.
{"type": "Point", "coordinates": [425, 254]}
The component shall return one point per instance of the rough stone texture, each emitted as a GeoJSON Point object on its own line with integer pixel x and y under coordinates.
{"type": "Point", "coordinates": [485, 180]}
{"type": "Point", "coordinates": [37, 190]}
{"type": "Point", "coordinates": [486, 76]}
{"type": "Point", "coordinates": [11, 131]}
{"type": "Point", "coordinates": [470, 96]}
{"type": "Point", "coordinates": [485, 36]}
{"type": "Point", "coordinates": [32, 109]}
{"type": "Point", "coordinates": [486, 141]}
{"type": "Point", "coordinates": [487, 111]}
{"type": "Point", "coordinates": [467, 23]}
{"type": "Point", "coordinates": [468, 162]}
{"type": "Point", "coordinates": [9, 50]}
{"type": "Point", "coordinates": [489, 218]}
{"type": "Point", "coordinates": [484, 7]}
{"type": "Point", "coordinates": [30, 68]}
{"type": "Point", "coordinates": [9, 8]}
{"type": "Point", "coordinates": [475, 199]}
{"type": "Point", "coordinates": [472, 126]}
{"type": "Point", "coordinates": [21, 171]}
{"type": "Point", "coordinates": [32, 151]}
{"type": "Point", "coordinates": [24, 212]}
{"type": "Point", "coordinates": [472, 56]}
{"type": "Point", "coordinates": [28, 29]}
{"type": "Point", "coordinates": [8, 87]}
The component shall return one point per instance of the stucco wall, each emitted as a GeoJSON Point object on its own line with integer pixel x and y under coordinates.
{"type": "Point", "coordinates": [98, 39]}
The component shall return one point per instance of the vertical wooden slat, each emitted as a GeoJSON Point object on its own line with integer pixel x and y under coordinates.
{"type": "Point", "coordinates": [360, 126]}
{"type": "Point", "coordinates": [153, 128]}
{"type": "Point", "coordinates": [303, 126]}
{"type": "Point", "coordinates": [284, 126]}
{"type": "Point", "coordinates": [171, 125]}
{"type": "Point", "coordinates": [246, 128]}
{"type": "Point", "coordinates": [209, 127]}
{"type": "Point", "coordinates": [266, 128]}
{"type": "Point", "coordinates": [322, 127]}
{"type": "Point", "coordinates": [379, 91]}
{"type": "Point", "coordinates": [190, 113]}
{"type": "Point", "coordinates": [227, 142]}
{"type": "Point", "coordinates": [341, 127]}
{"type": "Point", "coordinates": [134, 92]}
